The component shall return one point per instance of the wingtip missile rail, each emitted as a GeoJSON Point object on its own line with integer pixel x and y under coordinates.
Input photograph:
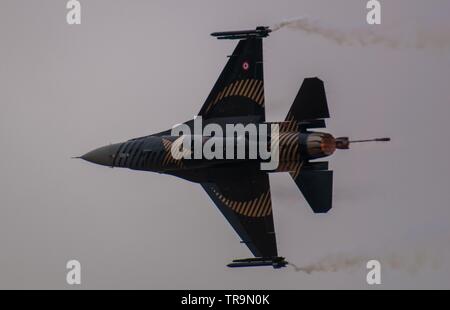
{"type": "Point", "coordinates": [259, 32]}
{"type": "Point", "coordinates": [275, 262]}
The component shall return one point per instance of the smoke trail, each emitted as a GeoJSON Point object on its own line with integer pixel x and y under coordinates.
{"type": "Point", "coordinates": [366, 36]}
{"type": "Point", "coordinates": [409, 262]}
{"type": "Point", "coordinates": [333, 263]}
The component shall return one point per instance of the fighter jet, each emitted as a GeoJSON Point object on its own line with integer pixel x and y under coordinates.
{"type": "Point", "coordinates": [239, 187]}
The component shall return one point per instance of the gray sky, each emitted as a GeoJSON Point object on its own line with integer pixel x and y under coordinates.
{"type": "Point", "coordinates": [137, 67]}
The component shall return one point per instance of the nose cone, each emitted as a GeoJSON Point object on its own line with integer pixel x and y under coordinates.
{"type": "Point", "coordinates": [103, 155]}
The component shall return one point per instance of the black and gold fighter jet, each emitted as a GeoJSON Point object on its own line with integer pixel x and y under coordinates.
{"type": "Point", "coordinates": [238, 187]}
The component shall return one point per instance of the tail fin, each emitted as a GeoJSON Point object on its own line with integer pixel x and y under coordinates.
{"type": "Point", "coordinates": [309, 110]}
{"type": "Point", "coordinates": [310, 105]}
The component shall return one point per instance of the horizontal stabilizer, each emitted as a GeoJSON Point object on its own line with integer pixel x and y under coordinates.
{"type": "Point", "coordinates": [316, 123]}
{"type": "Point", "coordinates": [315, 165]}
{"type": "Point", "coordinates": [317, 188]}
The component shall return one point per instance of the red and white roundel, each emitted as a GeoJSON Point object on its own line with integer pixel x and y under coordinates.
{"type": "Point", "coordinates": [245, 66]}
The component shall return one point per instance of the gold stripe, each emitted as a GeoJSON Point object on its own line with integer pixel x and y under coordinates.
{"type": "Point", "coordinates": [235, 86]}
{"type": "Point", "coordinates": [295, 151]}
{"type": "Point", "coordinates": [243, 210]}
{"type": "Point", "coordinates": [254, 205]}
{"type": "Point", "coordinates": [258, 94]}
{"type": "Point", "coordinates": [249, 207]}
{"type": "Point", "coordinates": [250, 88]}
{"type": "Point", "coordinates": [294, 169]}
{"type": "Point", "coordinates": [261, 98]}
{"type": "Point", "coordinates": [289, 135]}
{"type": "Point", "coordinates": [225, 91]}
{"type": "Point", "coordinates": [263, 211]}
{"type": "Point", "coordinates": [263, 204]}
{"type": "Point", "coordinates": [294, 166]}
{"type": "Point", "coordinates": [213, 103]}
{"type": "Point", "coordinates": [284, 138]}
{"type": "Point", "coordinates": [166, 159]}
{"type": "Point", "coordinates": [166, 144]}
{"type": "Point", "coordinates": [290, 145]}
{"type": "Point", "coordinates": [297, 171]}
{"type": "Point", "coordinates": [269, 205]}
{"type": "Point", "coordinates": [230, 87]}
{"type": "Point", "coordinates": [238, 207]}
{"type": "Point", "coordinates": [230, 90]}
{"type": "Point", "coordinates": [291, 127]}
{"type": "Point", "coordinates": [232, 204]}
{"type": "Point", "coordinates": [293, 145]}
{"type": "Point", "coordinates": [257, 204]}
{"type": "Point", "coordinates": [255, 90]}
{"type": "Point", "coordinates": [244, 87]}
{"type": "Point", "coordinates": [222, 93]}
{"type": "Point", "coordinates": [218, 97]}
{"type": "Point", "coordinates": [238, 88]}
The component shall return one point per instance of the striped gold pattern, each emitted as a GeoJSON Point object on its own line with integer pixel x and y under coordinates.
{"type": "Point", "coordinates": [291, 166]}
{"type": "Point", "coordinates": [185, 153]}
{"type": "Point", "coordinates": [287, 126]}
{"type": "Point", "coordinates": [289, 152]}
{"type": "Point", "coordinates": [289, 117]}
{"type": "Point", "coordinates": [250, 88]}
{"type": "Point", "coordinates": [296, 171]}
{"type": "Point", "coordinates": [258, 207]}
{"type": "Point", "coordinates": [168, 158]}
{"type": "Point", "coordinates": [289, 146]}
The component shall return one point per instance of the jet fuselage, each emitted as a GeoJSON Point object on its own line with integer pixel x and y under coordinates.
{"type": "Point", "coordinates": [153, 153]}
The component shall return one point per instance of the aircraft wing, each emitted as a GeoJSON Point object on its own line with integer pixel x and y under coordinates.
{"type": "Point", "coordinates": [244, 199]}
{"type": "Point", "coordinates": [238, 94]}
{"type": "Point", "coordinates": [239, 89]}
